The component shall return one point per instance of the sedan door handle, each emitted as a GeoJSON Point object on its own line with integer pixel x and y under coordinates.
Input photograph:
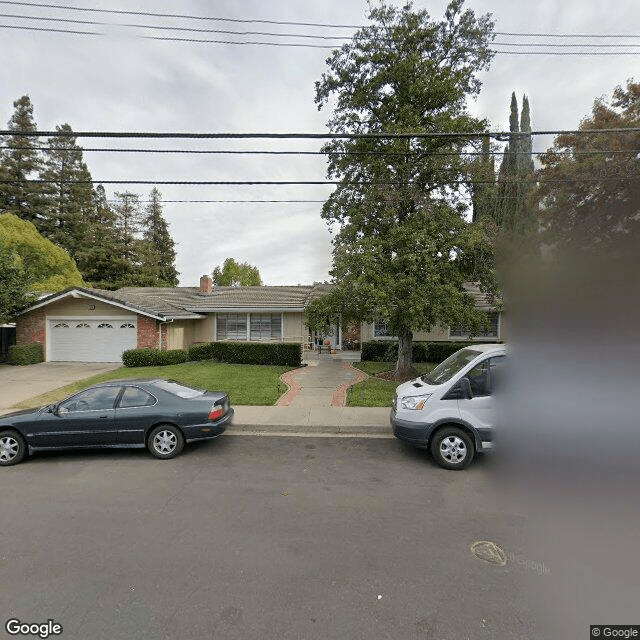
{"type": "Point", "coordinates": [103, 417]}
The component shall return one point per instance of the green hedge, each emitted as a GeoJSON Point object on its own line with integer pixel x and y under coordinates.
{"type": "Point", "coordinates": [287, 354]}
{"type": "Point", "coordinates": [26, 353]}
{"type": "Point", "coordinates": [153, 357]}
{"type": "Point", "coordinates": [387, 350]}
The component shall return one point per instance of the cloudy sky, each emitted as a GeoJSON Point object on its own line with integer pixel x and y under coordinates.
{"type": "Point", "coordinates": [122, 82]}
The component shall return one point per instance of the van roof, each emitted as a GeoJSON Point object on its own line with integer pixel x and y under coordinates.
{"type": "Point", "coordinates": [484, 347]}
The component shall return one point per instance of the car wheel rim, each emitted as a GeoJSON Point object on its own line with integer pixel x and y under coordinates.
{"type": "Point", "coordinates": [165, 442]}
{"type": "Point", "coordinates": [9, 448]}
{"type": "Point", "coordinates": [453, 449]}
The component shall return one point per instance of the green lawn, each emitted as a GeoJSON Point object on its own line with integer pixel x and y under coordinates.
{"type": "Point", "coordinates": [376, 392]}
{"type": "Point", "coordinates": [245, 383]}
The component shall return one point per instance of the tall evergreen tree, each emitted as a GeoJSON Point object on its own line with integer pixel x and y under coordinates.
{"type": "Point", "coordinates": [22, 162]}
{"type": "Point", "coordinates": [127, 224]}
{"type": "Point", "coordinates": [514, 215]}
{"type": "Point", "coordinates": [69, 197]}
{"type": "Point", "coordinates": [158, 248]}
{"type": "Point", "coordinates": [99, 259]}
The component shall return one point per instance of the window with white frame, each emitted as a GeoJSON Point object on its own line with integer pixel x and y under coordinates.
{"type": "Point", "coordinates": [266, 326]}
{"type": "Point", "coordinates": [231, 326]}
{"type": "Point", "coordinates": [380, 329]}
{"type": "Point", "coordinates": [490, 331]}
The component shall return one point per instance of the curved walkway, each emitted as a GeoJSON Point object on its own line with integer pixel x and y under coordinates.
{"type": "Point", "coordinates": [322, 383]}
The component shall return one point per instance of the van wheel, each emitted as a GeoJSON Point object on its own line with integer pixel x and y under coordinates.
{"type": "Point", "coordinates": [452, 448]}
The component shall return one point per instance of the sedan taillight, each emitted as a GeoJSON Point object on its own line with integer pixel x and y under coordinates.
{"type": "Point", "coordinates": [217, 411]}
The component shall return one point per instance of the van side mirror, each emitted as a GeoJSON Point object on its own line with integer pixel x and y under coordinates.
{"type": "Point", "coordinates": [465, 387]}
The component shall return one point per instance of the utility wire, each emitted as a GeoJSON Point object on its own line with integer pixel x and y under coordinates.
{"type": "Point", "coordinates": [307, 45]}
{"type": "Point", "coordinates": [179, 15]}
{"type": "Point", "coordinates": [507, 135]}
{"type": "Point", "coordinates": [285, 22]}
{"type": "Point", "coordinates": [338, 153]}
{"type": "Point", "coordinates": [173, 28]}
{"type": "Point", "coordinates": [395, 185]}
{"type": "Point", "coordinates": [285, 35]}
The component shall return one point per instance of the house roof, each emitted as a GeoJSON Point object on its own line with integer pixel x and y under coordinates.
{"type": "Point", "coordinates": [183, 303]}
{"type": "Point", "coordinates": [177, 303]}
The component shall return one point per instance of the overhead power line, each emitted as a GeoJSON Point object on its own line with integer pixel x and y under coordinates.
{"type": "Point", "coordinates": [154, 27]}
{"type": "Point", "coordinates": [283, 22]}
{"type": "Point", "coordinates": [172, 28]}
{"type": "Point", "coordinates": [394, 185]}
{"type": "Point", "coordinates": [420, 153]}
{"type": "Point", "coordinates": [499, 135]}
{"type": "Point", "coordinates": [180, 15]}
{"type": "Point", "coordinates": [584, 47]}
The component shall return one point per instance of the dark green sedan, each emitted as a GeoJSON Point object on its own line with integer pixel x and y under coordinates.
{"type": "Point", "coordinates": [158, 414]}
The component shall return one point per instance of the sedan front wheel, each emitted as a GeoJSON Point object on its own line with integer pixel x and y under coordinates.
{"type": "Point", "coordinates": [165, 441]}
{"type": "Point", "coordinates": [12, 448]}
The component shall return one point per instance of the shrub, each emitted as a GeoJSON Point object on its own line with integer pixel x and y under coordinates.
{"type": "Point", "coordinates": [387, 351]}
{"type": "Point", "coordinates": [279, 353]}
{"type": "Point", "coordinates": [21, 354]}
{"type": "Point", "coordinates": [153, 357]}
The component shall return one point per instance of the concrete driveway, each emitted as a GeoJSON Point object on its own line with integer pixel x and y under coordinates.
{"type": "Point", "coordinates": [21, 383]}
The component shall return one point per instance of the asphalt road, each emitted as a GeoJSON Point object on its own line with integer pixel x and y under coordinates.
{"type": "Point", "coordinates": [260, 537]}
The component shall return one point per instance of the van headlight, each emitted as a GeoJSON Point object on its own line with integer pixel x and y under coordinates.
{"type": "Point", "coordinates": [414, 402]}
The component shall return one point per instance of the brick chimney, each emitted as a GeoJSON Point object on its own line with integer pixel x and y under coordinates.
{"type": "Point", "coordinates": [206, 284]}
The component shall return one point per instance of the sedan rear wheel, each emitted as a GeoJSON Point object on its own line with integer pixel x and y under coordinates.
{"type": "Point", "coordinates": [165, 441]}
{"type": "Point", "coordinates": [12, 448]}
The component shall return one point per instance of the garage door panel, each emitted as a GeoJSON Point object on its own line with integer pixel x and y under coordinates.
{"type": "Point", "coordinates": [93, 340]}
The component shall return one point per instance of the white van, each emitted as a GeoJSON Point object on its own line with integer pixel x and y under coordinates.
{"type": "Point", "coordinates": [450, 410]}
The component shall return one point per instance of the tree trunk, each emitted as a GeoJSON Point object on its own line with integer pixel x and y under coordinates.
{"type": "Point", "coordinates": [404, 369]}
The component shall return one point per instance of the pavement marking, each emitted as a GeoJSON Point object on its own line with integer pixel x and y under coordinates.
{"type": "Point", "coordinates": [306, 434]}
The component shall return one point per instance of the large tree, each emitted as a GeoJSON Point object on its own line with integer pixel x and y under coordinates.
{"type": "Point", "coordinates": [69, 192]}
{"type": "Point", "coordinates": [589, 184]}
{"type": "Point", "coordinates": [398, 207]}
{"type": "Point", "coordinates": [158, 248]}
{"type": "Point", "coordinates": [20, 163]}
{"type": "Point", "coordinates": [46, 266]}
{"type": "Point", "coordinates": [236, 274]}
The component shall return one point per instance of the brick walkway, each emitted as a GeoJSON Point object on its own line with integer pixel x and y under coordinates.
{"type": "Point", "coordinates": [321, 384]}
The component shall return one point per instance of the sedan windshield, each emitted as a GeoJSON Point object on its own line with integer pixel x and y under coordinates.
{"type": "Point", "coordinates": [178, 389]}
{"type": "Point", "coordinates": [447, 369]}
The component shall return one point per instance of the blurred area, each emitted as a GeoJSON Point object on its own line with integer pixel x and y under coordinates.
{"type": "Point", "coordinates": [569, 428]}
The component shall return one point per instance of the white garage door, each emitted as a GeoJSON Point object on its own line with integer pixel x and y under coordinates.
{"type": "Point", "coordinates": [95, 340]}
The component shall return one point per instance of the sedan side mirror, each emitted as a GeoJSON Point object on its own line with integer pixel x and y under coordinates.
{"type": "Point", "coordinates": [465, 385]}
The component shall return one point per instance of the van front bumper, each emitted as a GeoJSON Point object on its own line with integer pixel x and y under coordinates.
{"type": "Point", "coordinates": [416, 433]}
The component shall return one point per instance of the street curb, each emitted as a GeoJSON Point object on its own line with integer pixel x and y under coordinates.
{"type": "Point", "coordinates": [310, 428]}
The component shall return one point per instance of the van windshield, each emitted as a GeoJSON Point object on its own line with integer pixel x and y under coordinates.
{"type": "Point", "coordinates": [447, 369]}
